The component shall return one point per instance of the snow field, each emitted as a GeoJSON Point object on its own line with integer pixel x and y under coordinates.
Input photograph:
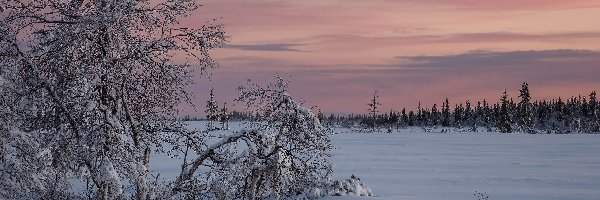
{"type": "Point", "coordinates": [412, 164]}
{"type": "Point", "coordinates": [454, 165]}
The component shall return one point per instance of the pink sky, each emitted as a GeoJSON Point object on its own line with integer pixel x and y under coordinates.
{"type": "Point", "coordinates": [337, 52]}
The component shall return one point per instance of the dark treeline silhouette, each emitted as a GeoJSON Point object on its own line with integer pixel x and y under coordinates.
{"type": "Point", "coordinates": [573, 115]}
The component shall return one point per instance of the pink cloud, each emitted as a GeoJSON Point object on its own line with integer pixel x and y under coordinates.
{"type": "Point", "coordinates": [518, 4]}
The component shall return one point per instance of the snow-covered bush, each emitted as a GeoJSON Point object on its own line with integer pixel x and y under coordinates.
{"type": "Point", "coordinates": [284, 155]}
{"type": "Point", "coordinates": [351, 186]}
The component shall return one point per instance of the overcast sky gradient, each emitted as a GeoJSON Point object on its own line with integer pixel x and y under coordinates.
{"type": "Point", "coordinates": [338, 51]}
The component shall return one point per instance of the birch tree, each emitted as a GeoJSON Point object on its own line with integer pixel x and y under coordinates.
{"type": "Point", "coordinates": [89, 87]}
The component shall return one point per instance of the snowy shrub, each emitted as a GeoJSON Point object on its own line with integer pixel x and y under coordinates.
{"type": "Point", "coordinates": [285, 155]}
{"type": "Point", "coordinates": [351, 186]}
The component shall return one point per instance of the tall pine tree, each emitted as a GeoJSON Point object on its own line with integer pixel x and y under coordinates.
{"type": "Point", "coordinates": [224, 117]}
{"type": "Point", "coordinates": [212, 111]}
{"type": "Point", "coordinates": [525, 113]}
{"type": "Point", "coordinates": [435, 115]}
{"type": "Point", "coordinates": [445, 113]}
{"type": "Point", "coordinates": [594, 125]}
{"type": "Point", "coordinates": [504, 121]}
{"type": "Point", "coordinates": [373, 109]}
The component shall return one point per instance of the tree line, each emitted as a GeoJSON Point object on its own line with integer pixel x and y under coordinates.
{"type": "Point", "coordinates": [573, 115]}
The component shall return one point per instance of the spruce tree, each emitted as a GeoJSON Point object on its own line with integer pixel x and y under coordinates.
{"type": "Point", "coordinates": [394, 118]}
{"type": "Point", "coordinates": [504, 122]}
{"type": "Point", "coordinates": [458, 115]}
{"type": "Point", "coordinates": [404, 117]}
{"type": "Point", "coordinates": [572, 120]}
{"type": "Point", "coordinates": [561, 113]}
{"type": "Point", "coordinates": [212, 110]}
{"type": "Point", "coordinates": [470, 117]}
{"type": "Point", "coordinates": [435, 115]}
{"type": "Point", "coordinates": [486, 114]}
{"type": "Point", "coordinates": [525, 114]}
{"type": "Point", "coordinates": [419, 115]}
{"type": "Point", "coordinates": [411, 118]}
{"type": "Point", "coordinates": [478, 114]}
{"type": "Point", "coordinates": [543, 115]}
{"type": "Point", "coordinates": [445, 113]}
{"type": "Point", "coordinates": [224, 117]}
{"type": "Point", "coordinates": [320, 117]}
{"type": "Point", "coordinates": [595, 111]}
{"type": "Point", "coordinates": [373, 109]}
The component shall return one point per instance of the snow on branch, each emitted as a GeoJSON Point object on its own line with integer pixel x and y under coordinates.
{"type": "Point", "coordinates": [284, 154]}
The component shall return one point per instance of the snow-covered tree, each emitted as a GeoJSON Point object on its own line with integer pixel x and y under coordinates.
{"type": "Point", "coordinates": [470, 117]}
{"type": "Point", "coordinates": [212, 111]}
{"type": "Point", "coordinates": [435, 119]}
{"type": "Point", "coordinates": [486, 114]}
{"type": "Point", "coordinates": [403, 118]}
{"type": "Point", "coordinates": [89, 88]}
{"type": "Point", "coordinates": [459, 115]}
{"type": "Point", "coordinates": [283, 155]}
{"type": "Point", "coordinates": [525, 113]}
{"type": "Point", "coordinates": [504, 119]}
{"type": "Point", "coordinates": [446, 113]}
{"type": "Point", "coordinates": [373, 109]}
{"type": "Point", "coordinates": [594, 116]}
{"type": "Point", "coordinates": [224, 117]}
{"type": "Point", "coordinates": [320, 116]}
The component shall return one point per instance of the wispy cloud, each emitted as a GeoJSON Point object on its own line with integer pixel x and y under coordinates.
{"type": "Point", "coordinates": [511, 36]}
{"type": "Point", "coordinates": [265, 47]}
{"type": "Point", "coordinates": [564, 58]}
{"type": "Point", "coordinates": [458, 38]}
{"type": "Point", "coordinates": [517, 4]}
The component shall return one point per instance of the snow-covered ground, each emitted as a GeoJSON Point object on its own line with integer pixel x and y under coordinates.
{"type": "Point", "coordinates": [412, 164]}
{"type": "Point", "coordinates": [453, 166]}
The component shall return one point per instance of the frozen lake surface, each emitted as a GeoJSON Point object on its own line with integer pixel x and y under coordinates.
{"type": "Point", "coordinates": [453, 166]}
{"type": "Point", "coordinates": [412, 165]}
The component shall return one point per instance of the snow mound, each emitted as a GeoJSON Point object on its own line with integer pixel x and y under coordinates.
{"type": "Point", "coordinates": [351, 186]}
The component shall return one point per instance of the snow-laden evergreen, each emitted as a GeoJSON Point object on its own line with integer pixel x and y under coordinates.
{"type": "Point", "coordinates": [212, 110]}
{"type": "Point", "coordinates": [525, 112]}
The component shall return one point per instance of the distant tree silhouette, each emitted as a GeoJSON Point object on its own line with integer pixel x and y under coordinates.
{"type": "Point", "coordinates": [212, 110]}
{"type": "Point", "coordinates": [446, 113]}
{"type": "Point", "coordinates": [577, 114]}
{"type": "Point", "coordinates": [224, 117]}
{"type": "Point", "coordinates": [373, 109]}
